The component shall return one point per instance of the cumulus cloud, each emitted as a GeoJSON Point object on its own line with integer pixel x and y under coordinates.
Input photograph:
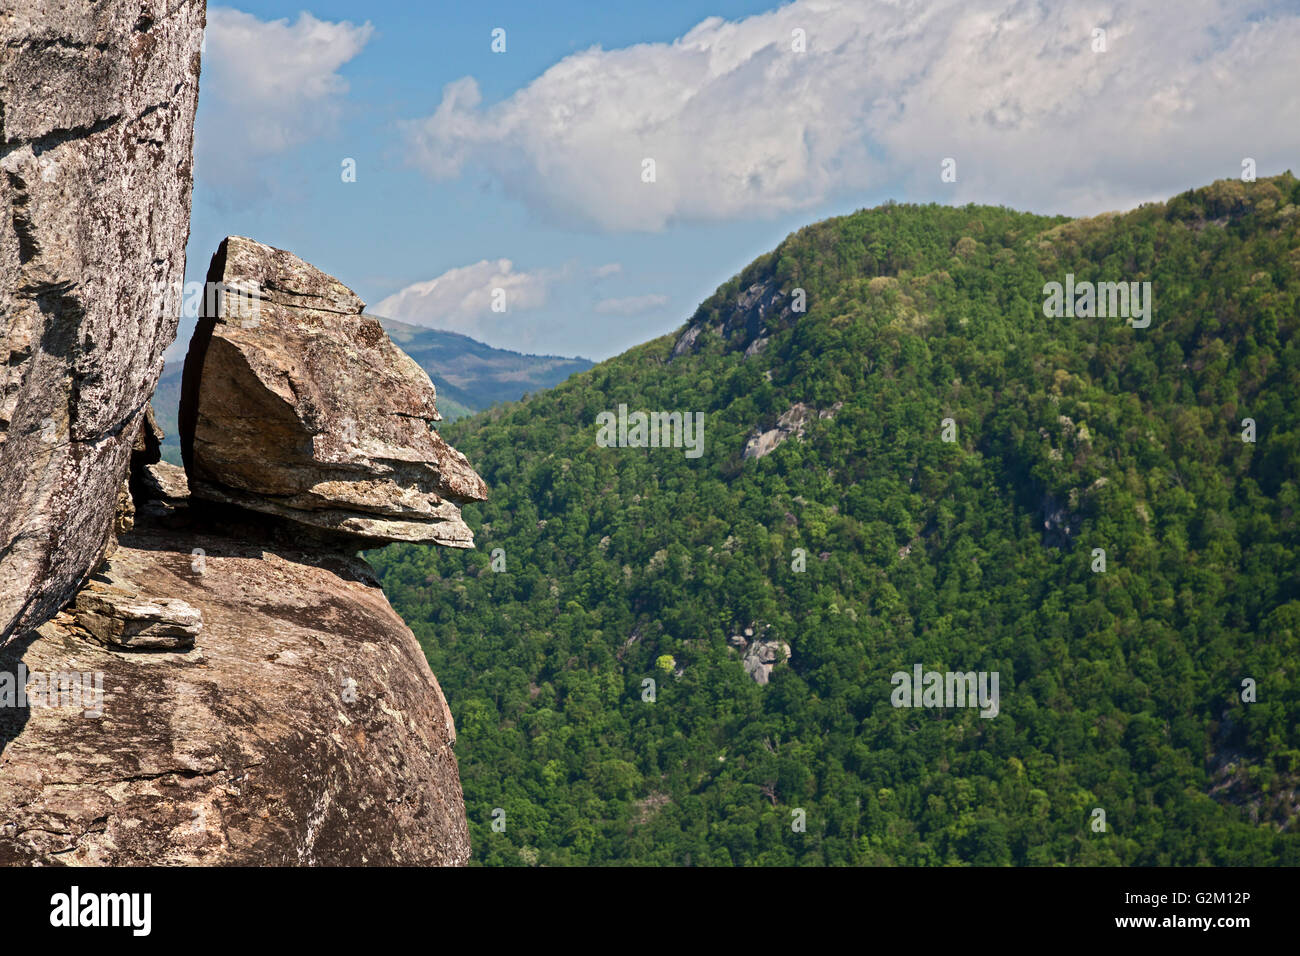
{"type": "Point", "coordinates": [462, 300]}
{"type": "Point", "coordinates": [741, 124]}
{"type": "Point", "coordinates": [268, 86]}
{"type": "Point", "coordinates": [631, 305]}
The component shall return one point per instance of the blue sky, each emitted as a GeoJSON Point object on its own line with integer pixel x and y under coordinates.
{"type": "Point", "coordinates": [522, 170]}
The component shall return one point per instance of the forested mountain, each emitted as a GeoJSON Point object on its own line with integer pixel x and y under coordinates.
{"type": "Point", "coordinates": [1121, 689]}
{"type": "Point", "coordinates": [469, 375]}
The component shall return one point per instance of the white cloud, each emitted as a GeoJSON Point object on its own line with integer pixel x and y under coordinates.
{"type": "Point", "coordinates": [461, 300]}
{"type": "Point", "coordinates": [607, 270]}
{"type": "Point", "coordinates": [631, 305]}
{"type": "Point", "coordinates": [740, 125]}
{"type": "Point", "coordinates": [267, 87]}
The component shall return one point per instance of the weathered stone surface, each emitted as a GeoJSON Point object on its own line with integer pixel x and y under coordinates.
{"type": "Point", "coordinates": [146, 453]}
{"type": "Point", "coordinates": [124, 520]}
{"type": "Point", "coordinates": [163, 483]}
{"type": "Point", "coordinates": [120, 617]}
{"type": "Point", "coordinates": [147, 448]}
{"type": "Point", "coordinates": [96, 134]}
{"type": "Point", "coordinates": [227, 687]}
{"type": "Point", "coordinates": [306, 410]}
{"type": "Point", "coordinates": [253, 747]}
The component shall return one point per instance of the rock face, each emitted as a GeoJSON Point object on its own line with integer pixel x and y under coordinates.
{"type": "Point", "coordinates": [761, 656]}
{"type": "Point", "coordinates": [231, 686]}
{"type": "Point", "coordinates": [296, 404]}
{"type": "Point", "coordinates": [304, 727]}
{"type": "Point", "coordinates": [758, 654]}
{"type": "Point", "coordinates": [747, 323]}
{"type": "Point", "coordinates": [96, 133]}
{"type": "Point", "coordinates": [792, 422]}
{"type": "Point", "coordinates": [226, 689]}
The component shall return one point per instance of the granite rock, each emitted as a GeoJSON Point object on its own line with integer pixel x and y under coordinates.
{"type": "Point", "coordinates": [296, 404]}
{"type": "Point", "coordinates": [97, 107]}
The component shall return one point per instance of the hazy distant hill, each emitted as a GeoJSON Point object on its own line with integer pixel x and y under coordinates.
{"type": "Point", "coordinates": [475, 376]}
{"type": "Point", "coordinates": [469, 375]}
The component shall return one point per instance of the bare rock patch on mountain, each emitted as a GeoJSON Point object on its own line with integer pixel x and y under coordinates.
{"type": "Point", "coordinates": [792, 422]}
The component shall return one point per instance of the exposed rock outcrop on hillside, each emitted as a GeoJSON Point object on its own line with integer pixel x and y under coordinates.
{"type": "Point", "coordinates": [792, 422]}
{"type": "Point", "coordinates": [758, 653]}
{"type": "Point", "coordinates": [761, 656]}
{"type": "Point", "coordinates": [301, 407]}
{"type": "Point", "coordinates": [757, 312]}
{"type": "Point", "coordinates": [96, 133]}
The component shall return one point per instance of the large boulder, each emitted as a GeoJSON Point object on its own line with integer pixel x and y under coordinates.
{"type": "Point", "coordinates": [218, 695]}
{"type": "Point", "coordinates": [97, 105]}
{"type": "Point", "coordinates": [761, 656]}
{"type": "Point", "coordinates": [295, 404]}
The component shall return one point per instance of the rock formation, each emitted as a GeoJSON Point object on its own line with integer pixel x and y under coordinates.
{"type": "Point", "coordinates": [792, 422]}
{"type": "Point", "coordinates": [758, 312]}
{"type": "Point", "coordinates": [96, 132]}
{"type": "Point", "coordinates": [761, 656]}
{"type": "Point", "coordinates": [290, 719]}
{"type": "Point", "coordinates": [301, 407]}
{"type": "Point", "coordinates": [213, 678]}
{"type": "Point", "coordinates": [125, 619]}
{"type": "Point", "coordinates": [257, 699]}
{"type": "Point", "coordinates": [758, 654]}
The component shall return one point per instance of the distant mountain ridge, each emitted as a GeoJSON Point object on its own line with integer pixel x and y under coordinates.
{"type": "Point", "coordinates": [469, 375]}
{"type": "Point", "coordinates": [475, 376]}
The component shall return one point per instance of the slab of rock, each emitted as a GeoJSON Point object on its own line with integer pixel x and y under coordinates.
{"type": "Point", "coordinates": [792, 422]}
{"type": "Point", "coordinates": [124, 619]}
{"type": "Point", "coordinates": [165, 482]}
{"type": "Point", "coordinates": [300, 406]}
{"type": "Point", "coordinates": [305, 727]}
{"type": "Point", "coordinates": [97, 105]}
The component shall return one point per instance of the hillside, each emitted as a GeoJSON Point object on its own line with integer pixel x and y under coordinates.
{"type": "Point", "coordinates": [1121, 690]}
{"type": "Point", "coordinates": [468, 375]}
